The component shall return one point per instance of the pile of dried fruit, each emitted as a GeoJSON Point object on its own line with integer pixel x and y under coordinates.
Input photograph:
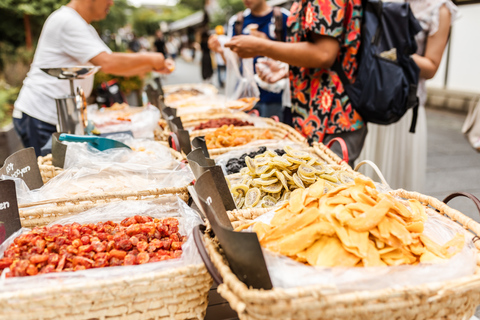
{"type": "Point", "coordinates": [352, 226]}
{"type": "Point", "coordinates": [234, 165]}
{"type": "Point", "coordinates": [229, 136]}
{"type": "Point", "coordinates": [269, 178]}
{"type": "Point", "coordinates": [217, 123]}
{"type": "Point", "coordinates": [72, 247]}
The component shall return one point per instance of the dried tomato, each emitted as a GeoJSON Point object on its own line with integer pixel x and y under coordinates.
{"type": "Point", "coordinates": [119, 254]}
{"type": "Point", "coordinates": [133, 229]}
{"type": "Point", "coordinates": [124, 245]}
{"type": "Point", "coordinates": [85, 248]}
{"type": "Point", "coordinates": [142, 246]}
{"type": "Point", "coordinates": [5, 263]}
{"type": "Point", "coordinates": [130, 260]}
{"type": "Point", "coordinates": [142, 258]}
{"type": "Point", "coordinates": [53, 259]}
{"type": "Point", "coordinates": [99, 246]}
{"type": "Point", "coordinates": [134, 240]}
{"type": "Point", "coordinates": [38, 258]}
{"type": "Point", "coordinates": [61, 263]}
{"type": "Point", "coordinates": [32, 270]}
{"type": "Point", "coordinates": [85, 239]}
{"type": "Point", "coordinates": [176, 245]}
{"type": "Point", "coordinates": [128, 221]}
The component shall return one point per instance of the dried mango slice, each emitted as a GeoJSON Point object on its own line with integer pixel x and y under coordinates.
{"type": "Point", "coordinates": [372, 217]}
{"type": "Point", "coordinates": [295, 223]}
{"type": "Point", "coordinates": [329, 252]}
{"type": "Point", "coordinates": [261, 229]}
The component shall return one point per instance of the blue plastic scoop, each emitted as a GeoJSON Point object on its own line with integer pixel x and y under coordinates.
{"type": "Point", "coordinates": [99, 143]}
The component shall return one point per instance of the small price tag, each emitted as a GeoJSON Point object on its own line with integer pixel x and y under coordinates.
{"type": "Point", "coordinates": [23, 164]}
{"type": "Point", "coordinates": [9, 208]}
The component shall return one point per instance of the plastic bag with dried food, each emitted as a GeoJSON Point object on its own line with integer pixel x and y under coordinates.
{"type": "Point", "coordinates": [288, 273]}
{"type": "Point", "coordinates": [115, 212]}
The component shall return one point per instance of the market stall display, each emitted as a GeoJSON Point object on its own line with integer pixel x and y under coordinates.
{"type": "Point", "coordinates": [174, 288]}
{"type": "Point", "coordinates": [362, 292]}
{"type": "Point", "coordinates": [269, 178]}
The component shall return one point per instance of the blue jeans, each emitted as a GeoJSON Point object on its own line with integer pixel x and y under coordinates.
{"type": "Point", "coordinates": [33, 132]}
{"type": "Point", "coordinates": [270, 109]}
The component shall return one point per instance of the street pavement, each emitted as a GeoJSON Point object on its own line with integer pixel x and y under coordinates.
{"type": "Point", "coordinates": [453, 165]}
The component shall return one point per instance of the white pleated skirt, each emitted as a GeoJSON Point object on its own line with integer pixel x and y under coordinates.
{"type": "Point", "coordinates": [400, 155]}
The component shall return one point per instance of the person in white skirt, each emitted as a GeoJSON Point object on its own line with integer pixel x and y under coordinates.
{"type": "Point", "coordinates": [400, 155]}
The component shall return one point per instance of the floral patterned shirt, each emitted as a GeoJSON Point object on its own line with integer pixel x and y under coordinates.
{"type": "Point", "coordinates": [319, 103]}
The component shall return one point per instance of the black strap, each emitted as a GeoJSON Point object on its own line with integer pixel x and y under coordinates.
{"type": "Point", "coordinates": [277, 13]}
{"type": "Point", "coordinates": [239, 23]}
{"type": "Point", "coordinates": [337, 67]}
{"type": "Point", "coordinates": [413, 103]}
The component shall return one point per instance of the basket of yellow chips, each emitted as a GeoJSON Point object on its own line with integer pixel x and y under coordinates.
{"type": "Point", "coordinates": [356, 229]}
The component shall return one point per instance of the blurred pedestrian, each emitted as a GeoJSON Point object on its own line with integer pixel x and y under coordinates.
{"type": "Point", "coordinates": [400, 155]}
{"type": "Point", "coordinates": [160, 43]}
{"type": "Point", "coordinates": [318, 34]}
{"type": "Point", "coordinates": [172, 47]}
{"type": "Point", "coordinates": [134, 44]}
{"type": "Point", "coordinates": [265, 22]}
{"type": "Point", "coordinates": [68, 39]}
{"type": "Point", "coordinates": [221, 67]}
{"type": "Point", "coordinates": [207, 68]}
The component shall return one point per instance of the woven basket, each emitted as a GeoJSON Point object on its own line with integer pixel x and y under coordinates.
{"type": "Point", "coordinates": [51, 210]}
{"type": "Point", "coordinates": [278, 132]}
{"type": "Point", "coordinates": [330, 156]}
{"type": "Point", "coordinates": [48, 171]}
{"type": "Point", "coordinates": [456, 299]}
{"type": "Point", "coordinates": [180, 293]}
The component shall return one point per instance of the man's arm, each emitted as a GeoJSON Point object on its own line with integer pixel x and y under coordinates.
{"type": "Point", "coordinates": [128, 64]}
{"type": "Point", "coordinates": [321, 53]}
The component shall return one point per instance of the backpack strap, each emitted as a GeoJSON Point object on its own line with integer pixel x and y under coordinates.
{"type": "Point", "coordinates": [413, 102]}
{"type": "Point", "coordinates": [277, 13]}
{"type": "Point", "coordinates": [238, 26]}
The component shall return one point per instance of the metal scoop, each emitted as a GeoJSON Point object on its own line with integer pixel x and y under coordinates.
{"type": "Point", "coordinates": [99, 143]}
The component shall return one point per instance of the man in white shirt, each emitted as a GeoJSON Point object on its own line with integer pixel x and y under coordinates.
{"type": "Point", "coordinates": [68, 39]}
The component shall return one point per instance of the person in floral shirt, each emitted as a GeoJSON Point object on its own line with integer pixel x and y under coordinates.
{"type": "Point", "coordinates": [320, 32]}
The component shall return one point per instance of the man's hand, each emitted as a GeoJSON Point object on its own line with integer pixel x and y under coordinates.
{"type": "Point", "coordinates": [214, 44]}
{"type": "Point", "coordinates": [258, 34]}
{"type": "Point", "coordinates": [246, 46]}
{"type": "Point", "coordinates": [168, 66]}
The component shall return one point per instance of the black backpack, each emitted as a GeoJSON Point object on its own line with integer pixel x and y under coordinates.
{"type": "Point", "coordinates": [386, 80]}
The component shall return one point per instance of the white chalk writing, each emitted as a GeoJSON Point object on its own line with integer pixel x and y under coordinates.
{"type": "Point", "coordinates": [4, 205]}
{"type": "Point", "coordinates": [9, 167]}
{"type": "Point", "coordinates": [19, 172]}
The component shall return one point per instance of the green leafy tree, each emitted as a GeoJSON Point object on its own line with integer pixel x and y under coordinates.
{"type": "Point", "coordinates": [171, 14]}
{"type": "Point", "coordinates": [194, 5]}
{"type": "Point", "coordinates": [145, 21]}
{"type": "Point", "coordinates": [26, 9]}
{"type": "Point", "coordinates": [229, 8]}
{"type": "Point", "coordinates": [117, 17]}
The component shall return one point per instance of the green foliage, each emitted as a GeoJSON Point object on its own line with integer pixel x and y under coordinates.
{"type": "Point", "coordinates": [231, 7]}
{"type": "Point", "coordinates": [194, 5]}
{"type": "Point", "coordinates": [171, 14]}
{"type": "Point", "coordinates": [117, 17]}
{"type": "Point", "coordinates": [8, 95]}
{"type": "Point", "coordinates": [33, 8]}
{"type": "Point", "coordinates": [145, 22]}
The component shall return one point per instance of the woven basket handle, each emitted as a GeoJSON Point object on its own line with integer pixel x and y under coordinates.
{"type": "Point", "coordinates": [342, 144]}
{"type": "Point", "coordinates": [198, 232]}
{"type": "Point", "coordinates": [463, 194]}
{"type": "Point", "coordinates": [375, 168]}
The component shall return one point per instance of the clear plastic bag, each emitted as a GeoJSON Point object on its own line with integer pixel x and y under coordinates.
{"type": "Point", "coordinates": [288, 273]}
{"type": "Point", "coordinates": [141, 121]}
{"type": "Point", "coordinates": [275, 87]}
{"type": "Point", "coordinates": [115, 212]}
{"type": "Point", "coordinates": [240, 84]}
{"type": "Point", "coordinates": [145, 153]}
